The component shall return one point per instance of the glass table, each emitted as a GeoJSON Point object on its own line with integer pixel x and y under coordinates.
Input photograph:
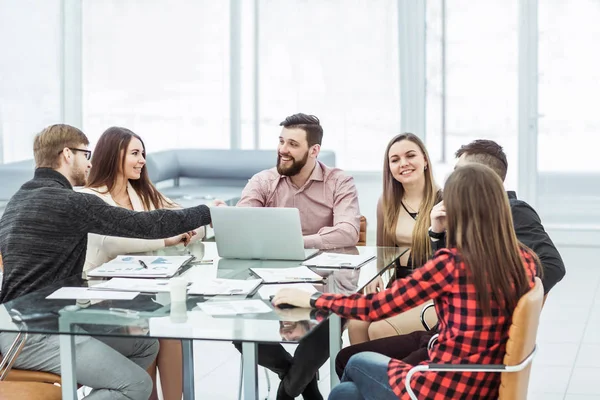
{"type": "Point", "coordinates": [153, 315]}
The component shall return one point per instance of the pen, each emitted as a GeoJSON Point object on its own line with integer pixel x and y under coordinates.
{"type": "Point", "coordinates": [291, 278]}
{"type": "Point", "coordinates": [143, 264]}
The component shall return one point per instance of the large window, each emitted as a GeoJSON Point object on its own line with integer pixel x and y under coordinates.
{"type": "Point", "coordinates": [160, 68]}
{"type": "Point", "coordinates": [30, 39]}
{"type": "Point", "coordinates": [479, 97]}
{"type": "Point", "coordinates": [569, 94]}
{"type": "Point", "coordinates": [337, 60]}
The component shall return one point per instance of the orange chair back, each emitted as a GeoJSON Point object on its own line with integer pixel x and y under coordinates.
{"type": "Point", "coordinates": [521, 342]}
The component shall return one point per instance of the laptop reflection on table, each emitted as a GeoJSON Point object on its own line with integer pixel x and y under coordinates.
{"type": "Point", "coordinates": [261, 233]}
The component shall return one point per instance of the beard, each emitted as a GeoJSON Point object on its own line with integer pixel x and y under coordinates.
{"type": "Point", "coordinates": [294, 168]}
{"type": "Point", "coordinates": [79, 176]}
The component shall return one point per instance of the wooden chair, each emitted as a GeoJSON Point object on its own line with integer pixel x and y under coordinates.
{"type": "Point", "coordinates": [362, 234]}
{"type": "Point", "coordinates": [520, 350]}
{"type": "Point", "coordinates": [15, 381]}
{"type": "Point", "coordinates": [29, 390]}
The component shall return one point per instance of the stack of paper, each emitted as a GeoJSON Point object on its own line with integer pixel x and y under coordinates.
{"type": "Point", "coordinates": [334, 260]}
{"type": "Point", "coordinates": [283, 275]}
{"type": "Point", "coordinates": [135, 285]}
{"type": "Point", "coordinates": [141, 266]}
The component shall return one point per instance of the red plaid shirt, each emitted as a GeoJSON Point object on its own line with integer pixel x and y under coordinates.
{"type": "Point", "coordinates": [466, 336]}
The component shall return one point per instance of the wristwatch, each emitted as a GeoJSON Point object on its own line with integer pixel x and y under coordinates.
{"type": "Point", "coordinates": [314, 297]}
{"type": "Point", "coordinates": [436, 235]}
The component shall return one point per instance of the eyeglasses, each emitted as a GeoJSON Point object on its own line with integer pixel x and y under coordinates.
{"type": "Point", "coordinates": [88, 153]}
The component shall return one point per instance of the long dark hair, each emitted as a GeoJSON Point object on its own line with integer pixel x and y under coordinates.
{"type": "Point", "coordinates": [393, 191]}
{"type": "Point", "coordinates": [108, 161]}
{"type": "Point", "coordinates": [480, 227]}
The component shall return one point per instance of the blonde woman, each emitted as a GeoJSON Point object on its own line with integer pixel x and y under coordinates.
{"type": "Point", "coordinates": [409, 194]}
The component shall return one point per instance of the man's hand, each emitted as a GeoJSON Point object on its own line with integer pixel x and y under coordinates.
{"type": "Point", "coordinates": [219, 203]}
{"type": "Point", "coordinates": [294, 297]}
{"type": "Point", "coordinates": [375, 286]}
{"type": "Point", "coordinates": [438, 218]}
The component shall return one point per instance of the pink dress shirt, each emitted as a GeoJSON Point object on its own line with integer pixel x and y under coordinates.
{"type": "Point", "coordinates": [328, 204]}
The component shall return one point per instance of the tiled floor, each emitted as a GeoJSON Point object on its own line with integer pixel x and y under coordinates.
{"type": "Point", "coordinates": [567, 365]}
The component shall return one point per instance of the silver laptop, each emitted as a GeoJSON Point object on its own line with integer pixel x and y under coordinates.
{"type": "Point", "coordinates": [264, 233]}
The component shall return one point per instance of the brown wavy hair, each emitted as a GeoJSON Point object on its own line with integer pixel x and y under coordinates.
{"type": "Point", "coordinates": [480, 226]}
{"type": "Point", "coordinates": [393, 191]}
{"type": "Point", "coordinates": [108, 161]}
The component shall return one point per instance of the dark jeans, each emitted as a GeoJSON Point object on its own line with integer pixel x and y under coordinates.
{"type": "Point", "coordinates": [298, 373]}
{"type": "Point", "coordinates": [365, 378]}
{"type": "Point", "coordinates": [410, 348]}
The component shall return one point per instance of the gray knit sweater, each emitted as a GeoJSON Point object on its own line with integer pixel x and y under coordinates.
{"type": "Point", "coordinates": [43, 232]}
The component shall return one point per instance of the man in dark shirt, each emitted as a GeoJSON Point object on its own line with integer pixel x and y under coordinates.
{"type": "Point", "coordinates": [527, 223]}
{"type": "Point", "coordinates": [43, 239]}
{"type": "Point", "coordinates": [412, 347]}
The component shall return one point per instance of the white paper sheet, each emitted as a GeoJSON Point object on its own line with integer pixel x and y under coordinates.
{"type": "Point", "coordinates": [282, 275]}
{"type": "Point", "coordinates": [335, 260]}
{"type": "Point", "coordinates": [134, 285]}
{"type": "Point", "coordinates": [83, 293]}
{"type": "Point", "coordinates": [224, 286]}
{"type": "Point", "coordinates": [234, 307]}
{"type": "Point", "coordinates": [266, 291]}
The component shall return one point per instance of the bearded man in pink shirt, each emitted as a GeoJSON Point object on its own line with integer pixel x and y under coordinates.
{"type": "Point", "coordinates": [326, 197]}
{"type": "Point", "coordinates": [328, 203]}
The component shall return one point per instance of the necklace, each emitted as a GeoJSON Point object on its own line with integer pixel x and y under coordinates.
{"type": "Point", "coordinates": [411, 209]}
{"type": "Point", "coordinates": [127, 205]}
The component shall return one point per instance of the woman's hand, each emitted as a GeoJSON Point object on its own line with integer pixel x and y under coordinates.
{"type": "Point", "coordinates": [438, 218]}
{"type": "Point", "coordinates": [182, 238]}
{"type": "Point", "coordinates": [293, 297]}
{"type": "Point", "coordinates": [375, 286]}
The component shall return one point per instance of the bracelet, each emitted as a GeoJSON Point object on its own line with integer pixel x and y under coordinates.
{"type": "Point", "coordinates": [436, 235]}
{"type": "Point", "coordinates": [314, 297]}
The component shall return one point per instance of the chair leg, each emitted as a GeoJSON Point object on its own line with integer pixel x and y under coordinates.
{"type": "Point", "coordinates": [268, 383]}
{"type": "Point", "coordinates": [11, 356]}
{"type": "Point", "coordinates": [241, 379]}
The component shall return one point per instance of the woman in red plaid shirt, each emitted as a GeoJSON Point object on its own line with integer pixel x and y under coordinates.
{"type": "Point", "coordinates": [475, 285]}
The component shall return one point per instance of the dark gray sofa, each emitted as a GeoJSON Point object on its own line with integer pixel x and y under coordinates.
{"type": "Point", "coordinates": [187, 176]}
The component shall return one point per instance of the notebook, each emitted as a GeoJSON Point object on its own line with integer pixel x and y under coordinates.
{"type": "Point", "coordinates": [141, 267]}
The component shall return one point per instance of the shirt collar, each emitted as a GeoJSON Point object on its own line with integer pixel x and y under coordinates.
{"type": "Point", "coordinates": [316, 175]}
{"type": "Point", "coordinates": [49, 173]}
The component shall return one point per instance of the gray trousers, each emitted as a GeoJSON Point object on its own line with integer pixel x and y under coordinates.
{"type": "Point", "coordinates": [114, 367]}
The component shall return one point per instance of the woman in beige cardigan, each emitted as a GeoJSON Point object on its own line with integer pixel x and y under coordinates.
{"type": "Point", "coordinates": [119, 177]}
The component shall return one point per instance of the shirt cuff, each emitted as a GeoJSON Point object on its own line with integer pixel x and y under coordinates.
{"type": "Point", "coordinates": [313, 241]}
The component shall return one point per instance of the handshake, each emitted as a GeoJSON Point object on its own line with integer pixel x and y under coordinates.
{"type": "Point", "coordinates": [191, 236]}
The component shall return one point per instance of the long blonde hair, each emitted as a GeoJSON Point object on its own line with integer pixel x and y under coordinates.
{"type": "Point", "coordinates": [480, 226]}
{"type": "Point", "coordinates": [393, 192]}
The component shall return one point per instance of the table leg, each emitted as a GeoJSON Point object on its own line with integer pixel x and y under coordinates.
{"type": "Point", "coordinates": [67, 367]}
{"type": "Point", "coordinates": [249, 362]}
{"type": "Point", "coordinates": [188, 369]}
{"type": "Point", "coordinates": [335, 345]}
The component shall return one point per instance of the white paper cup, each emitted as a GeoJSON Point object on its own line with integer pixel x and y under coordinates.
{"type": "Point", "coordinates": [178, 289]}
{"type": "Point", "coordinates": [178, 312]}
